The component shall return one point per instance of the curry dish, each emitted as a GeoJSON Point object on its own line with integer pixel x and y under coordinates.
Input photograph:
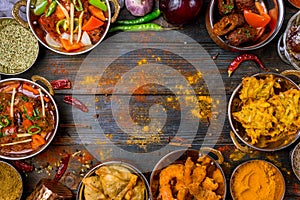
{"type": "Point", "coordinates": [266, 115]}
{"type": "Point", "coordinates": [27, 118]}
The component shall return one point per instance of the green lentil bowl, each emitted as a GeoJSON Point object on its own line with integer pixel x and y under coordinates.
{"type": "Point", "coordinates": [18, 47]}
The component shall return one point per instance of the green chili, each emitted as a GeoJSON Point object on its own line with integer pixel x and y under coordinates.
{"type": "Point", "coordinates": [62, 23]}
{"type": "Point", "coordinates": [138, 27]}
{"type": "Point", "coordinates": [78, 5]}
{"type": "Point", "coordinates": [51, 8]}
{"type": "Point", "coordinates": [40, 7]}
{"type": "Point", "coordinates": [4, 121]}
{"type": "Point", "coordinates": [99, 4]}
{"type": "Point", "coordinates": [140, 20]}
{"type": "Point", "coordinates": [24, 98]}
{"type": "Point", "coordinates": [34, 129]}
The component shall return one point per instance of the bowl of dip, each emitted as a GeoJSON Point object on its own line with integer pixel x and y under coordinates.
{"type": "Point", "coordinates": [11, 182]}
{"type": "Point", "coordinates": [257, 179]}
{"type": "Point", "coordinates": [288, 46]}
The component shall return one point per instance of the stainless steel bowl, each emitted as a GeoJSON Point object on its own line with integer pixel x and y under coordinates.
{"type": "Point", "coordinates": [283, 49]}
{"type": "Point", "coordinates": [295, 160]}
{"type": "Point", "coordinates": [50, 137]}
{"type": "Point", "coordinates": [131, 168]}
{"type": "Point", "coordinates": [272, 173]}
{"type": "Point", "coordinates": [180, 157]}
{"type": "Point", "coordinates": [234, 105]}
{"type": "Point", "coordinates": [212, 16]}
{"type": "Point", "coordinates": [13, 180]}
{"type": "Point", "coordinates": [32, 25]}
{"type": "Point", "coordinates": [19, 48]}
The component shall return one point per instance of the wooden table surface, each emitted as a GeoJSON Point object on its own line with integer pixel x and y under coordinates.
{"type": "Point", "coordinates": [95, 136]}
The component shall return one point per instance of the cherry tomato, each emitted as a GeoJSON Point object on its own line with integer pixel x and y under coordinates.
{"type": "Point", "coordinates": [256, 20]}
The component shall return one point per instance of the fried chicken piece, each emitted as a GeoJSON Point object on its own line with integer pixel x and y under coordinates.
{"type": "Point", "coordinates": [242, 5]}
{"type": "Point", "coordinates": [228, 23]}
{"type": "Point", "coordinates": [242, 35]}
{"type": "Point", "coordinates": [209, 184]}
{"type": "Point", "coordinates": [225, 7]}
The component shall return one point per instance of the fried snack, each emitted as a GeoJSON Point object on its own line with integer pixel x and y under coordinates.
{"type": "Point", "coordinates": [228, 23]}
{"type": "Point", "coordinates": [191, 180]}
{"type": "Point", "coordinates": [268, 117]}
{"type": "Point", "coordinates": [114, 182]}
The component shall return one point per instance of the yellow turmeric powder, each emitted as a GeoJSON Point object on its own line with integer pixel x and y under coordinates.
{"type": "Point", "coordinates": [257, 180]}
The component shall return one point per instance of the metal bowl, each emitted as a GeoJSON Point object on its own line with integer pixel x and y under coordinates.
{"type": "Point", "coordinates": [19, 48]}
{"type": "Point", "coordinates": [24, 154]}
{"type": "Point", "coordinates": [12, 180]}
{"type": "Point", "coordinates": [283, 48]}
{"type": "Point", "coordinates": [295, 160]}
{"type": "Point", "coordinates": [41, 35]}
{"type": "Point", "coordinates": [180, 157]}
{"type": "Point", "coordinates": [272, 173]}
{"type": "Point", "coordinates": [213, 16]}
{"type": "Point", "coordinates": [239, 131]}
{"type": "Point", "coordinates": [131, 168]}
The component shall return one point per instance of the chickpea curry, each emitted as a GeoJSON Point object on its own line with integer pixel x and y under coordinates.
{"type": "Point", "coordinates": [27, 118]}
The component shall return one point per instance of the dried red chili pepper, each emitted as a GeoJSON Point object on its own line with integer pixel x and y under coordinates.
{"type": "Point", "coordinates": [25, 167]}
{"type": "Point", "coordinates": [61, 84]}
{"type": "Point", "coordinates": [75, 102]}
{"type": "Point", "coordinates": [244, 57]}
{"type": "Point", "coordinates": [62, 168]}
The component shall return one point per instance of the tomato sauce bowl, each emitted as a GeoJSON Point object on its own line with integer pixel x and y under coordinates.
{"type": "Point", "coordinates": [68, 27]}
{"type": "Point", "coordinates": [28, 117]}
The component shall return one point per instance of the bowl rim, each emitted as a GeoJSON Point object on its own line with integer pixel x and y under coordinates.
{"type": "Point", "coordinates": [229, 112]}
{"type": "Point", "coordinates": [37, 49]}
{"type": "Point", "coordinates": [256, 160]}
{"type": "Point", "coordinates": [224, 45]}
{"type": "Point", "coordinates": [19, 175]}
{"type": "Point", "coordinates": [56, 123]}
{"type": "Point", "coordinates": [113, 162]}
{"type": "Point", "coordinates": [284, 38]}
{"type": "Point", "coordinates": [75, 52]}
{"type": "Point", "coordinates": [181, 152]}
{"type": "Point", "coordinates": [293, 162]}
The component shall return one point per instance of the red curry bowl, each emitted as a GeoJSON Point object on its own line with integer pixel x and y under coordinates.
{"type": "Point", "coordinates": [29, 117]}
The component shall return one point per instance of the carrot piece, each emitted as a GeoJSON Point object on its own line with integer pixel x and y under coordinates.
{"type": "Point", "coordinates": [68, 46]}
{"type": "Point", "coordinates": [30, 89]}
{"type": "Point", "coordinates": [92, 24]}
{"type": "Point", "coordinates": [10, 87]}
{"type": "Point", "coordinates": [37, 141]}
{"type": "Point", "coordinates": [59, 13]}
{"type": "Point", "coordinates": [26, 123]}
{"type": "Point", "coordinates": [29, 108]}
{"type": "Point", "coordinates": [97, 12]}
